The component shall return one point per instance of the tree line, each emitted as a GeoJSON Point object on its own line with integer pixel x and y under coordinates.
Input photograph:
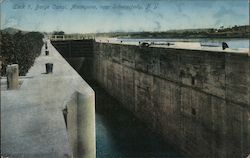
{"type": "Point", "coordinates": [19, 48]}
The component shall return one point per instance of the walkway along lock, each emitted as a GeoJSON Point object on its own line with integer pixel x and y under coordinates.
{"type": "Point", "coordinates": [49, 68]}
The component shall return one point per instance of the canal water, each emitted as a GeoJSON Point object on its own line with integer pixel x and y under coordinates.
{"type": "Point", "coordinates": [233, 43]}
{"type": "Point", "coordinates": [120, 135]}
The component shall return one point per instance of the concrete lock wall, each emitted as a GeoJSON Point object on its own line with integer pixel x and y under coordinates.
{"type": "Point", "coordinates": [80, 121]}
{"type": "Point", "coordinates": [197, 100]}
{"type": "Point", "coordinates": [79, 53]}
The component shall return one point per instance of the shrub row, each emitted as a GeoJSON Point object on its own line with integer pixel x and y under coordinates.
{"type": "Point", "coordinates": [20, 48]}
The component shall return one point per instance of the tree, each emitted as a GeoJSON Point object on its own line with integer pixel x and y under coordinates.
{"type": "Point", "coordinates": [58, 33]}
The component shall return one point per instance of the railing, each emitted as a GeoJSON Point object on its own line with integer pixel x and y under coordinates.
{"type": "Point", "coordinates": [70, 37]}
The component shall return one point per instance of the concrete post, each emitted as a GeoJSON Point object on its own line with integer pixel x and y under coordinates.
{"type": "Point", "coordinates": [86, 125]}
{"type": "Point", "coordinates": [12, 73]}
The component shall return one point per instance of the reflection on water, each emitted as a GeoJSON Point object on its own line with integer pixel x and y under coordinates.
{"type": "Point", "coordinates": [120, 135]}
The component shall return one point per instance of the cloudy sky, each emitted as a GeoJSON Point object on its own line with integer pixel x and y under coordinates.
{"type": "Point", "coordinates": [84, 16]}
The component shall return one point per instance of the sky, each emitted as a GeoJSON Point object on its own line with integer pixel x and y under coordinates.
{"type": "Point", "coordinates": [91, 16]}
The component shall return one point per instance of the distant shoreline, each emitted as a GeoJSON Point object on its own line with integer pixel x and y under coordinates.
{"type": "Point", "coordinates": [242, 32]}
{"type": "Point", "coordinates": [236, 32]}
{"type": "Point", "coordinates": [240, 38]}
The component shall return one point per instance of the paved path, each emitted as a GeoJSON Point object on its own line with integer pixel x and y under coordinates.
{"type": "Point", "coordinates": [32, 123]}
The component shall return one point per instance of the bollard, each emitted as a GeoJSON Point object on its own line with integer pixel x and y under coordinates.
{"type": "Point", "coordinates": [46, 52]}
{"type": "Point", "coordinates": [46, 45]}
{"type": "Point", "coordinates": [49, 68]}
{"type": "Point", "coordinates": [224, 45]}
{"type": "Point", "coordinates": [12, 73]}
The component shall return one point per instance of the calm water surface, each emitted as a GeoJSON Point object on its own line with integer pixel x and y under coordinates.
{"type": "Point", "coordinates": [232, 43]}
{"type": "Point", "coordinates": [120, 135]}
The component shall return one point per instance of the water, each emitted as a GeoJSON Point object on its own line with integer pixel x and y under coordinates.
{"type": "Point", "coordinates": [120, 135]}
{"type": "Point", "coordinates": [232, 43]}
